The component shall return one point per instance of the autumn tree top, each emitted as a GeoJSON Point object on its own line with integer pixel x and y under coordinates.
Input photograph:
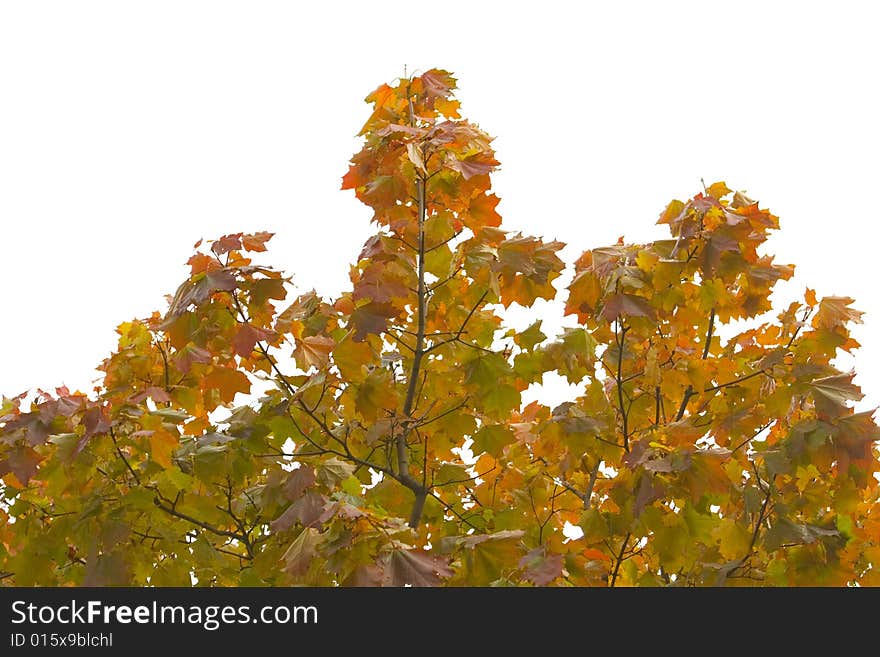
{"type": "Point", "coordinates": [379, 438]}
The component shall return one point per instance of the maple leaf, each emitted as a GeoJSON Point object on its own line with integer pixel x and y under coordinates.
{"type": "Point", "coordinates": [162, 444]}
{"type": "Point", "coordinates": [226, 244]}
{"type": "Point", "coordinates": [95, 422]}
{"type": "Point", "coordinates": [541, 568]}
{"type": "Point", "coordinates": [371, 318]}
{"type": "Point", "coordinates": [700, 436]}
{"type": "Point", "coordinates": [472, 165]}
{"type": "Point", "coordinates": [307, 511]}
{"type": "Point", "coordinates": [247, 337]}
{"type": "Point", "coordinates": [316, 350]}
{"type": "Point", "coordinates": [301, 309]}
{"type": "Point", "coordinates": [298, 482]}
{"type": "Point", "coordinates": [438, 83]}
{"type": "Point", "coordinates": [200, 288]}
{"type": "Point", "coordinates": [190, 354]}
{"type": "Point", "coordinates": [227, 382]}
{"type": "Point", "coordinates": [256, 241]}
{"type": "Point", "coordinates": [22, 462]}
{"type": "Point", "coordinates": [415, 568]}
{"type": "Point", "coordinates": [626, 305]}
{"type": "Point", "coordinates": [302, 551]}
{"type": "Point", "coordinates": [481, 211]}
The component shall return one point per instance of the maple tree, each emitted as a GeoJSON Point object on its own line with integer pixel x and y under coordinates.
{"type": "Point", "coordinates": [383, 441]}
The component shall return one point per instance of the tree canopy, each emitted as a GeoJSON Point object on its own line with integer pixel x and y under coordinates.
{"type": "Point", "coordinates": [256, 434]}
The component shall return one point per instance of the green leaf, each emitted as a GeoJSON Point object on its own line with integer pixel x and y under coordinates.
{"type": "Point", "coordinates": [489, 556]}
{"type": "Point", "coordinates": [449, 473]}
{"type": "Point", "coordinates": [530, 337]}
{"type": "Point", "coordinates": [334, 471]}
{"type": "Point", "coordinates": [301, 552]}
{"type": "Point", "coordinates": [492, 439]}
{"type": "Point", "coordinates": [171, 414]}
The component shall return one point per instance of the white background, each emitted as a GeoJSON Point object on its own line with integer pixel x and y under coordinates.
{"type": "Point", "coordinates": [128, 130]}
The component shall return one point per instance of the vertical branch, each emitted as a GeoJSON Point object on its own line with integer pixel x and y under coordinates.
{"type": "Point", "coordinates": [421, 311]}
{"type": "Point", "coordinates": [763, 515]}
{"type": "Point", "coordinates": [401, 444]}
{"type": "Point", "coordinates": [618, 560]}
{"type": "Point", "coordinates": [588, 494]}
{"type": "Point", "coordinates": [656, 405]}
{"type": "Point", "coordinates": [620, 334]}
{"type": "Point", "coordinates": [690, 389]}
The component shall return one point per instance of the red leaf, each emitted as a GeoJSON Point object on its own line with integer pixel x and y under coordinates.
{"type": "Point", "coordinates": [226, 244]}
{"type": "Point", "coordinates": [629, 305]}
{"type": "Point", "coordinates": [378, 283]}
{"type": "Point", "coordinates": [248, 336]}
{"type": "Point", "coordinates": [473, 165]}
{"type": "Point", "coordinates": [541, 568]}
{"type": "Point", "coordinates": [154, 393]}
{"type": "Point", "coordinates": [95, 422]}
{"type": "Point", "coordinates": [22, 462]}
{"type": "Point", "coordinates": [191, 354]}
{"type": "Point", "coordinates": [196, 291]}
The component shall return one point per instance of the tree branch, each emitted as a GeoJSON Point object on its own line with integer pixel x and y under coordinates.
{"type": "Point", "coordinates": [588, 494]}
{"type": "Point", "coordinates": [122, 456]}
{"type": "Point", "coordinates": [735, 381]}
{"type": "Point", "coordinates": [446, 241]}
{"type": "Point", "coordinates": [690, 389]}
{"type": "Point", "coordinates": [461, 329]}
{"type": "Point", "coordinates": [752, 437]}
{"type": "Point", "coordinates": [170, 510]}
{"type": "Point", "coordinates": [762, 516]}
{"type": "Point", "coordinates": [620, 335]}
{"type": "Point", "coordinates": [619, 560]}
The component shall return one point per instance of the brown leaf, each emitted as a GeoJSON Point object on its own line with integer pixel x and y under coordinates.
{"type": "Point", "coordinates": [626, 305]}
{"type": "Point", "coordinates": [95, 422]}
{"type": "Point", "coordinates": [365, 575]}
{"type": "Point", "coordinates": [371, 318]}
{"type": "Point", "coordinates": [541, 568]}
{"type": "Point", "coordinates": [307, 511]}
{"type": "Point", "coordinates": [416, 568]}
{"type": "Point", "coordinates": [647, 492]}
{"type": "Point", "coordinates": [298, 481]}
{"type": "Point", "coordinates": [198, 289]}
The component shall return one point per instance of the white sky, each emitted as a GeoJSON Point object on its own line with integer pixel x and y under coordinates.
{"type": "Point", "coordinates": [130, 130]}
